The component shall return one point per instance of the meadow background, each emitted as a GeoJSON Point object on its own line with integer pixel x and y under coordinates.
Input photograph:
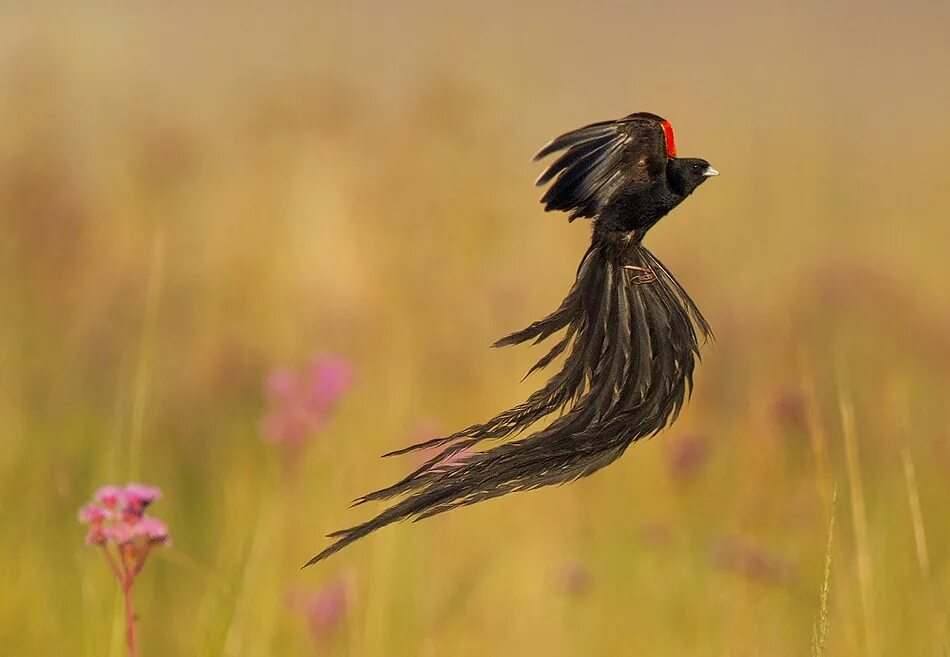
{"type": "Point", "coordinates": [193, 194]}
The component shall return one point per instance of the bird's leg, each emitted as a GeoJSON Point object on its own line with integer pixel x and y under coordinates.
{"type": "Point", "coordinates": [645, 275]}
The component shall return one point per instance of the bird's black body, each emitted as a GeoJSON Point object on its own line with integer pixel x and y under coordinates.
{"type": "Point", "coordinates": [639, 208]}
{"type": "Point", "coordinates": [630, 344]}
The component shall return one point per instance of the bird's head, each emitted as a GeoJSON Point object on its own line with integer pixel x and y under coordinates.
{"type": "Point", "coordinates": [685, 174]}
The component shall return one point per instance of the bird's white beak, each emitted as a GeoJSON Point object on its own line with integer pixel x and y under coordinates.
{"type": "Point", "coordinates": [710, 172]}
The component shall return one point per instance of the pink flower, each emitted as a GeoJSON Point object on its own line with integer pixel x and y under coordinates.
{"type": "Point", "coordinates": [119, 518]}
{"type": "Point", "coordinates": [422, 432]}
{"type": "Point", "coordinates": [751, 561]}
{"type": "Point", "coordinates": [790, 409]}
{"type": "Point", "coordinates": [656, 534]}
{"type": "Point", "coordinates": [93, 514]}
{"type": "Point", "coordinates": [332, 377]}
{"type": "Point", "coordinates": [153, 530]}
{"type": "Point", "coordinates": [453, 458]}
{"type": "Point", "coordinates": [301, 401]}
{"type": "Point", "coordinates": [687, 457]}
{"type": "Point", "coordinates": [108, 496]}
{"type": "Point", "coordinates": [138, 496]}
{"type": "Point", "coordinates": [426, 431]}
{"type": "Point", "coordinates": [119, 527]}
{"type": "Point", "coordinates": [324, 609]}
{"type": "Point", "coordinates": [119, 534]}
{"type": "Point", "coordinates": [575, 578]}
{"type": "Point", "coordinates": [281, 383]}
{"type": "Point", "coordinates": [96, 535]}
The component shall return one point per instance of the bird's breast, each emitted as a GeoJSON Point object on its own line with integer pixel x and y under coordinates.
{"type": "Point", "coordinates": [638, 210]}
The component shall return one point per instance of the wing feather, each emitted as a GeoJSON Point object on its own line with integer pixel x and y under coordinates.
{"type": "Point", "coordinates": [598, 160]}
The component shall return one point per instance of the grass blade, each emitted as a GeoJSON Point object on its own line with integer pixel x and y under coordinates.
{"type": "Point", "coordinates": [820, 630]}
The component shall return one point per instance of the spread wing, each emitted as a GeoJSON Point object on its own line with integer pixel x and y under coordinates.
{"type": "Point", "coordinates": [600, 159]}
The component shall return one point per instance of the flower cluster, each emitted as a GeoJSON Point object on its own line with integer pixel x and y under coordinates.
{"type": "Point", "coordinates": [119, 526]}
{"type": "Point", "coordinates": [117, 519]}
{"type": "Point", "coordinates": [302, 400]}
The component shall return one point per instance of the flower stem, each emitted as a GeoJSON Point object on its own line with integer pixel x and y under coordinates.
{"type": "Point", "coordinates": [112, 564]}
{"type": "Point", "coordinates": [129, 613]}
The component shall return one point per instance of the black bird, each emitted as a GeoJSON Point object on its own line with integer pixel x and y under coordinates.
{"type": "Point", "coordinates": [631, 335]}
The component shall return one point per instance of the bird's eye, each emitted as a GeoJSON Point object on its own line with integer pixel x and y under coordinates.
{"type": "Point", "coordinates": [697, 168]}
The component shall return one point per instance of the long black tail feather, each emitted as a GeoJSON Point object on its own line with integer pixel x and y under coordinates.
{"type": "Point", "coordinates": [632, 340]}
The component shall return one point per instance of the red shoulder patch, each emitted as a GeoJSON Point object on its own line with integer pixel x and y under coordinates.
{"type": "Point", "coordinates": [670, 141]}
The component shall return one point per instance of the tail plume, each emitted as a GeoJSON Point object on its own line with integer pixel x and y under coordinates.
{"type": "Point", "coordinates": [631, 341]}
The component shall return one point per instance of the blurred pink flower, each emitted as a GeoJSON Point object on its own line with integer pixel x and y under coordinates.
{"type": "Point", "coordinates": [121, 520]}
{"type": "Point", "coordinates": [789, 409]}
{"type": "Point", "coordinates": [300, 402]}
{"type": "Point", "coordinates": [687, 456]}
{"type": "Point", "coordinates": [429, 453]}
{"type": "Point", "coordinates": [325, 608]}
{"type": "Point", "coordinates": [425, 431]}
{"type": "Point", "coordinates": [332, 377]}
{"type": "Point", "coordinates": [154, 530]}
{"type": "Point", "coordinates": [421, 432]}
{"type": "Point", "coordinates": [121, 534]}
{"type": "Point", "coordinates": [281, 383]}
{"type": "Point", "coordinates": [108, 496]}
{"type": "Point", "coordinates": [93, 514]}
{"type": "Point", "coordinates": [656, 534]}
{"type": "Point", "coordinates": [575, 578]}
{"type": "Point", "coordinates": [453, 458]}
{"type": "Point", "coordinates": [96, 535]}
{"type": "Point", "coordinates": [139, 496]}
{"type": "Point", "coordinates": [752, 562]}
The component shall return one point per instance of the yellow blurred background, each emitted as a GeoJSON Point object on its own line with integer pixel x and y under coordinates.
{"type": "Point", "coordinates": [195, 193]}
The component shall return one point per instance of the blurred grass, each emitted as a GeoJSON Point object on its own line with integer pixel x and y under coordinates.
{"type": "Point", "coordinates": [189, 197]}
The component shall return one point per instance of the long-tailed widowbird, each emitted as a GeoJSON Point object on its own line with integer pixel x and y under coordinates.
{"type": "Point", "coordinates": [630, 343]}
